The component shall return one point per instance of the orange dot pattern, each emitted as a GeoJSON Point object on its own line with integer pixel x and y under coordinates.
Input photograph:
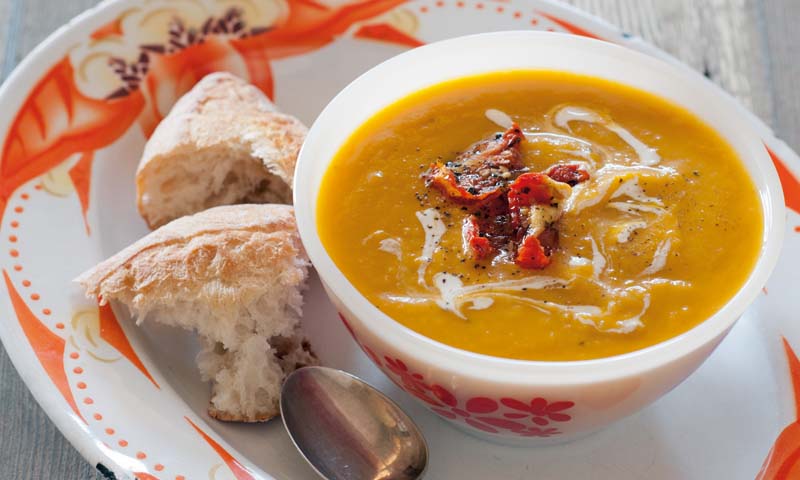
{"type": "Point", "coordinates": [482, 6]}
{"type": "Point", "coordinates": [15, 254]}
{"type": "Point", "coordinates": [98, 417]}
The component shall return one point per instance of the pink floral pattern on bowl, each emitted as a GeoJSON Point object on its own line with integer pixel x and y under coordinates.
{"type": "Point", "coordinates": [508, 416]}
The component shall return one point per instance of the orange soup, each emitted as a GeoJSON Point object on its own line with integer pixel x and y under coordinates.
{"type": "Point", "coordinates": [541, 215]}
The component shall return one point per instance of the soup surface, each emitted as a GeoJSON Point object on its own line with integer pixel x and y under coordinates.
{"type": "Point", "coordinates": [540, 215]}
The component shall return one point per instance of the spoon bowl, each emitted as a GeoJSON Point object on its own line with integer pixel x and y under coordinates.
{"type": "Point", "coordinates": [348, 430]}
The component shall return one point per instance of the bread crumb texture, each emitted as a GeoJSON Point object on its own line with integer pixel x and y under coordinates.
{"type": "Point", "coordinates": [235, 275]}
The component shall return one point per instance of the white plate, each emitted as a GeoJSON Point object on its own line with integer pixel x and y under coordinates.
{"type": "Point", "coordinates": [130, 398]}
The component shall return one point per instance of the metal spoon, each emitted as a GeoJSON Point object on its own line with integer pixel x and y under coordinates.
{"type": "Point", "coordinates": [348, 430]}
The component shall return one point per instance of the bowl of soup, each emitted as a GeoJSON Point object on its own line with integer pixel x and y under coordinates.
{"type": "Point", "coordinates": [536, 234]}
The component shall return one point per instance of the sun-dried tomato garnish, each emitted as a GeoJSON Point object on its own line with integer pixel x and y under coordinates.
{"type": "Point", "coordinates": [531, 189]}
{"type": "Point", "coordinates": [475, 245]}
{"type": "Point", "coordinates": [535, 251]}
{"type": "Point", "coordinates": [570, 174]}
{"type": "Point", "coordinates": [510, 209]}
{"type": "Point", "coordinates": [444, 179]}
{"type": "Point", "coordinates": [500, 151]}
{"type": "Point", "coordinates": [482, 171]}
{"type": "Point", "coordinates": [526, 190]}
{"type": "Point", "coordinates": [531, 254]}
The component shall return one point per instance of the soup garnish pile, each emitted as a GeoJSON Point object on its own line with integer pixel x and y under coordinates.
{"type": "Point", "coordinates": [541, 215]}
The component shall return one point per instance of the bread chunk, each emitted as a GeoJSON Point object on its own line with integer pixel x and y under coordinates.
{"type": "Point", "coordinates": [235, 275]}
{"type": "Point", "coordinates": [222, 143]}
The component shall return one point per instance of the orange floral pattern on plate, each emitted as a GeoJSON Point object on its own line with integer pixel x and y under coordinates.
{"type": "Point", "coordinates": [790, 183]}
{"type": "Point", "coordinates": [35, 143]}
{"type": "Point", "coordinates": [783, 460]}
{"type": "Point", "coordinates": [111, 332]}
{"type": "Point", "coordinates": [47, 346]}
{"type": "Point", "coordinates": [239, 471]}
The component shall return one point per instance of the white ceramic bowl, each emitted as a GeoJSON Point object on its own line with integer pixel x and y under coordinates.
{"type": "Point", "coordinates": [514, 401]}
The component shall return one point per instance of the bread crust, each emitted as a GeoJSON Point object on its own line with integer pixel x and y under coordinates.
{"type": "Point", "coordinates": [170, 241]}
{"type": "Point", "coordinates": [221, 109]}
{"type": "Point", "coordinates": [224, 416]}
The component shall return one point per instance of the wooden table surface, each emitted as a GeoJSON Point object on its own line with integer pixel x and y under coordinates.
{"type": "Point", "coordinates": [743, 45]}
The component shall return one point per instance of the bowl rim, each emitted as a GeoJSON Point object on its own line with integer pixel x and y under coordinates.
{"type": "Point", "coordinates": [506, 370]}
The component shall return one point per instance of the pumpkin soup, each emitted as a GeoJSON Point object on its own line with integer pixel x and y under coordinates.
{"type": "Point", "coordinates": [540, 215]}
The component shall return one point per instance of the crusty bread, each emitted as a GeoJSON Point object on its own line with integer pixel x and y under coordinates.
{"type": "Point", "coordinates": [234, 274]}
{"type": "Point", "coordinates": [222, 143]}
